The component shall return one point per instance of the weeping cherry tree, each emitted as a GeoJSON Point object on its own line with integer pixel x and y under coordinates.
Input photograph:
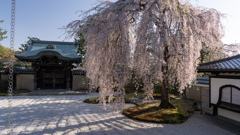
{"type": "Point", "coordinates": [156, 40]}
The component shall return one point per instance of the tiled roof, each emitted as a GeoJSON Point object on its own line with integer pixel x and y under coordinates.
{"type": "Point", "coordinates": [79, 72]}
{"type": "Point", "coordinates": [63, 50]}
{"type": "Point", "coordinates": [17, 70]}
{"type": "Point", "coordinates": [3, 70]}
{"type": "Point", "coordinates": [202, 80]}
{"type": "Point", "coordinates": [23, 71]}
{"type": "Point", "coordinates": [230, 64]}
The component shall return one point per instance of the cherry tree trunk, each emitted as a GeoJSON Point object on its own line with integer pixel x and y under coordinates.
{"type": "Point", "coordinates": [165, 97]}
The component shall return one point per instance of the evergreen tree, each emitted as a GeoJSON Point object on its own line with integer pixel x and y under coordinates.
{"type": "Point", "coordinates": [24, 47]}
{"type": "Point", "coordinates": [2, 32]}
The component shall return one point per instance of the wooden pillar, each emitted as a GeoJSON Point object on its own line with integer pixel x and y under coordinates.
{"type": "Point", "coordinates": [68, 79]}
{"type": "Point", "coordinates": [35, 77]}
{"type": "Point", "coordinates": [54, 79]}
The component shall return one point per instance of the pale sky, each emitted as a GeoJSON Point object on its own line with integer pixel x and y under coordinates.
{"type": "Point", "coordinates": [43, 18]}
{"type": "Point", "coordinates": [232, 21]}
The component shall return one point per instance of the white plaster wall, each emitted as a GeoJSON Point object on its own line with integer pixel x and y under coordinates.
{"type": "Point", "coordinates": [235, 96]}
{"type": "Point", "coordinates": [193, 93]}
{"type": "Point", "coordinates": [80, 82]}
{"type": "Point", "coordinates": [4, 77]}
{"type": "Point", "coordinates": [205, 100]}
{"type": "Point", "coordinates": [226, 95]}
{"type": "Point", "coordinates": [229, 114]}
{"type": "Point", "coordinates": [24, 82]}
{"type": "Point", "coordinates": [216, 83]}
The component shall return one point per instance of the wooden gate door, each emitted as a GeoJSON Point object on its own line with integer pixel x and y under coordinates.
{"type": "Point", "coordinates": [54, 79]}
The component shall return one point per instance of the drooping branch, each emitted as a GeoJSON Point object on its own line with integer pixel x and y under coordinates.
{"type": "Point", "coordinates": [132, 36]}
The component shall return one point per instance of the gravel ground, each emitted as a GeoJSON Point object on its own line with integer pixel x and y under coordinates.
{"type": "Point", "coordinates": [68, 115]}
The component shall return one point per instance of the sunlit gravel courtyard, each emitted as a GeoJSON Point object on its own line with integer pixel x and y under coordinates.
{"type": "Point", "coordinates": [68, 115]}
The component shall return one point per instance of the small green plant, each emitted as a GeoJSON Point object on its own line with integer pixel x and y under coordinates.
{"type": "Point", "coordinates": [3, 94]}
{"type": "Point", "coordinates": [92, 100]}
{"type": "Point", "coordinates": [150, 112]}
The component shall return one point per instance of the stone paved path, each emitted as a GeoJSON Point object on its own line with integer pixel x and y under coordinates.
{"type": "Point", "coordinates": [68, 115]}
